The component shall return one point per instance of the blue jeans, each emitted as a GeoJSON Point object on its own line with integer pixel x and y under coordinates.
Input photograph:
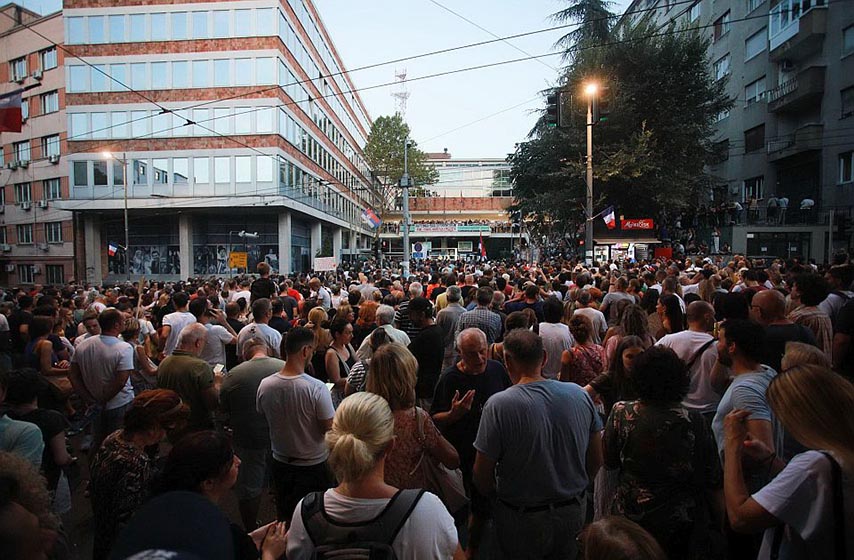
{"type": "Point", "coordinates": [548, 534]}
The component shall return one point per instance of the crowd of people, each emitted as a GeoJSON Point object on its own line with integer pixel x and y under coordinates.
{"type": "Point", "coordinates": [644, 410]}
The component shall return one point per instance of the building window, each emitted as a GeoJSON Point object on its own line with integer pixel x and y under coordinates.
{"type": "Point", "coordinates": [753, 4]}
{"type": "Point", "coordinates": [755, 91]}
{"type": "Point", "coordinates": [99, 175]}
{"type": "Point", "coordinates": [200, 25]}
{"type": "Point", "coordinates": [201, 170]}
{"type": "Point", "coordinates": [52, 189]}
{"type": "Point", "coordinates": [117, 29]}
{"type": "Point", "coordinates": [243, 72]}
{"type": "Point", "coordinates": [721, 66]}
{"type": "Point", "coordinates": [18, 69]}
{"type": "Point", "coordinates": [222, 72]}
{"type": "Point", "coordinates": [180, 171]}
{"type": "Point", "coordinates": [180, 74]}
{"type": "Point", "coordinates": [138, 76]}
{"type": "Point", "coordinates": [23, 192]}
{"type": "Point", "coordinates": [3, 238]}
{"type": "Point", "coordinates": [222, 23]}
{"type": "Point", "coordinates": [159, 75]}
{"type": "Point", "coordinates": [846, 167]}
{"type": "Point", "coordinates": [50, 102]}
{"type": "Point", "coordinates": [48, 58]}
{"type": "Point", "coordinates": [847, 102]}
{"type": "Point", "coordinates": [54, 274]}
{"type": "Point", "coordinates": [50, 145]}
{"type": "Point", "coordinates": [721, 26]}
{"type": "Point", "coordinates": [80, 175]}
{"type": "Point", "coordinates": [721, 150]}
{"type": "Point", "coordinates": [179, 25]}
{"type": "Point", "coordinates": [25, 273]}
{"type": "Point", "coordinates": [753, 188]}
{"type": "Point", "coordinates": [242, 120]}
{"type": "Point", "coordinates": [200, 73]}
{"type": "Point", "coordinates": [21, 150]}
{"type": "Point", "coordinates": [694, 12]}
{"type": "Point", "coordinates": [222, 170]}
{"type": "Point", "coordinates": [158, 27]}
{"type": "Point", "coordinates": [755, 44]}
{"type": "Point", "coordinates": [78, 78]}
{"type": "Point", "coordinates": [118, 173]}
{"type": "Point", "coordinates": [137, 27]}
{"type": "Point", "coordinates": [25, 108]}
{"type": "Point", "coordinates": [97, 32]}
{"type": "Point", "coordinates": [243, 169]}
{"type": "Point", "coordinates": [754, 139]}
{"type": "Point", "coordinates": [76, 30]}
{"type": "Point", "coordinates": [25, 234]}
{"type": "Point", "coordinates": [53, 232]}
{"type": "Point", "coordinates": [848, 40]}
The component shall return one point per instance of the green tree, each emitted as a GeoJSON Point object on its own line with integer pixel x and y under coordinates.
{"type": "Point", "coordinates": [652, 152]}
{"type": "Point", "coordinates": [384, 154]}
{"type": "Point", "coordinates": [594, 19]}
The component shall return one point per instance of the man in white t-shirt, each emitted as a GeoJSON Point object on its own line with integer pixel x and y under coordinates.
{"type": "Point", "coordinates": [696, 347]}
{"type": "Point", "coordinates": [220, 332]}
{"type": "Point", "coordinates": [100, 373]}
{"type": "Point", "coordinates": [262, 312]}
{"type": "Point", "coordinates": [244, 292]}
{"type": "Point", "coordinates": [299, 411]}
{"type": "Point", "coordinates": [174, 323]}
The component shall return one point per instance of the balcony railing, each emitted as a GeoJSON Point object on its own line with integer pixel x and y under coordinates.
{"type": "Point", "coordinates": [805, 88]}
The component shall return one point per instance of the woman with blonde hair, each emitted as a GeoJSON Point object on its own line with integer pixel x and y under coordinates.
{"type": "Point", "coordinates": [392, 376]}
{"type": "Point", "coordinates": [807, 510]}
{"type": "Point", "coordinates": [361, 438]}
{"type": "Point", "coordinates": [801, 354]}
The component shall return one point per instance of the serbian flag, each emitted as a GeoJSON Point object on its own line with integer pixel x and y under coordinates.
{"type": "Point", "coordinates": [112, 250]}
{"type": "Point", "coordinates": [481, 246]}
{"type": "Point", "coordinates": [608, 216]}
{"type": "Point", "coordinates": [371, 218]}
{"type": "Point", "coordinates": [11, 117]}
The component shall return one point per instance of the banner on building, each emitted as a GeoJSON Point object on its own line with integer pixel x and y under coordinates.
{"type": "Point", "coordinates": [639, 223]}
{"type": "Point", "coordinates": [11, 113]}
{"type": "Point", "coordinates": [324, 264]}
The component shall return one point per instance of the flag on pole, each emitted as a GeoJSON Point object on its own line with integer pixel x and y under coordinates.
{"type": "Point", "coordinates": [481, 246]}
{"type": "Point", "coordinates": [112, 250]}
{"type": "Point", "coordinates": [11, 115]}
{"type": "Point", "coordinates": [370, 218]}
{"type": "Point", "coordinates": [608, 216]}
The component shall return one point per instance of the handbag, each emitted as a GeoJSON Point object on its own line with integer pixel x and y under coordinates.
{"type": "Point", "coordinates": [447, 484]}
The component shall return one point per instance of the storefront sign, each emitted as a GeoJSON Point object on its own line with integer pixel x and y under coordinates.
{"type": "Point", "coordinates": [640, 223]}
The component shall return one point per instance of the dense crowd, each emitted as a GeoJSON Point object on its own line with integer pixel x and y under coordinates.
{"type": "Point", "coordinates": [646, 410]}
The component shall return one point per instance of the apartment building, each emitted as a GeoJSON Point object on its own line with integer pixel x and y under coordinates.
{"type": "Point", "coordinates": [789, 67]}
{"type": "Point", "coordinates": [36, 237]}
{"type": "Point", "coordinates": [229, 130]}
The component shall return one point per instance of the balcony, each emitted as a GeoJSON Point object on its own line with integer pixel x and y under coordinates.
{"type": "Point", "coordinates": [804, 139]}
{"type": "Point", "coordinates": [796, 29]}
{"type": "Point", "coordinates": [803, 90]}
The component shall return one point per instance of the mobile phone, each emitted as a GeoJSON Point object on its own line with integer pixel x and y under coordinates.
{"type": "Point", "coordinates": [217, 369]}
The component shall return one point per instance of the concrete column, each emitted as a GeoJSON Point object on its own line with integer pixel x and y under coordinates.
{"type": "Point", "coordinates": [337, 243]}
{"type": "Point", "coordinates": [354, 243]}
{"type": "Point", "coordinates": [185, 245]}
{"type": "Point", "coordinates": [285, 242]}
{"type": "Point", "coordinates": [316, 240]}
{"type": "Point", "coordinates": [93, 248]}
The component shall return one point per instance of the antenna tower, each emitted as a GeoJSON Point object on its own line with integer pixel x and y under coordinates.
{"type": "Point", "coordinates": [400, 93]}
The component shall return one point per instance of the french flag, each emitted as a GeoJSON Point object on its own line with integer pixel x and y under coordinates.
{"type": "Point", "coordinates": [609, 218]}
{"type": "Point", "coordinates": [112, 250]}
{"type": "Point", "coordinates": [370, 218]}
{"type": "Point", "coordinates": [11, 117]}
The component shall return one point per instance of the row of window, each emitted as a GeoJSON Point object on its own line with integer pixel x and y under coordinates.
{"type": "Point", "coordinates": [48, 103]}
{"type": "Point", "coordinates": [846, 167]}
{"type": "Point", "coordinates": [18, 67]}
{"type": "Point", "coordinates": [52, 189]}
{"type": "Point", "coordinates": [21, 151]}
{"type": "Point", "coordinates": [52, 233]}
{"type": "Point", "coordinates": [54, 274]}
{"type": "Point", "coordinates": [753, 46]}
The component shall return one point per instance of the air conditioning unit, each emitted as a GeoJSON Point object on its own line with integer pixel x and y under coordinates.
{"type": "Point", "coordinates": [26, 206]}
{"type": "Point", "coordinates": [24, 163]}
{"type": "Point", "coordinates": [12, 165]}
{"type": "Point", "coordinates": [53, 158]}
{"type": "Point", "coordinates": [42, 203]}
{"type": "Point", "coordinates": [37, 269]}
{"type": "Point", "coordinates": [20, 80]}
{"type": "Point", "coordinates": [10, 268]}
{"type": "Point", "coordinates": [5, 247]}
{"type": "Point", "coordinates": [44, 247]}
{"type": "Point", "coordinates": [37, 74]}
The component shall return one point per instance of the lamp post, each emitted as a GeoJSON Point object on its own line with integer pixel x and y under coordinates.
{"type": "Point", "coordinates": [404, 184]}
{"type": "Point", "coordinates": [123, 161]}
{"type": "Point", "coordinates": [591, 90]}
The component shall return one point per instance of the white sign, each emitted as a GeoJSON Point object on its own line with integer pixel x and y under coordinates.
{"type": "Point", "coordinates": [323, 264]}
{"type": "Point", "coordinates": [420, 249]}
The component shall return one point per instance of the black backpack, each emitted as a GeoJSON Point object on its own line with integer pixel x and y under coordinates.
{"type": "Point", "coordinates": [371, 540]}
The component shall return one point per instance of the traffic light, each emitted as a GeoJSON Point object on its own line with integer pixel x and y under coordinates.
{"type": "Point", "coordinates": [601, 106]}
{"type": "Point", "coordinates": [553, 109]}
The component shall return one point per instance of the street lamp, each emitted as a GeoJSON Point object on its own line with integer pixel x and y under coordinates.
{"type": "Point", "coordinates": [123, 161]}
{"type": "Point", "coordinates": [591, 89]}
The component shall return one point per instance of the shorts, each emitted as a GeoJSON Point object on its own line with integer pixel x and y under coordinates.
{"type": "Point", "coordinates": [254, 474]}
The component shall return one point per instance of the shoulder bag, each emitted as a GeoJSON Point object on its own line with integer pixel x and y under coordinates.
{"type": "Point", "coordinates": [444, 482]}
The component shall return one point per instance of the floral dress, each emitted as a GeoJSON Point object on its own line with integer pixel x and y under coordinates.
{"type": "Point", "coordinates": [401, 465]}
{"type": "Point", "coordinates": [667, 459]}
{"type": "Point", "coordinates": [120, 475]}
{"type": "Point", "coordinates": [585, 363]}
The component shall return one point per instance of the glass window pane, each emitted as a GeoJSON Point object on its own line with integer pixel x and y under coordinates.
{"type": "Point", "coordinates": [99, 176]}
{"type": "Point", "coordinates": [79, 126]}
{"type": "Point", "coordinates": [200, 25]}
{"type": "Point", "coordinates": [137, 27]}
{"type": "Point", "coordinates": [99, 125]}
{"type": "Point", "coordinates": [180, 170]}
{"type": "Point", "coordinates": [265, 22]}
{"type": "Point", "coordinates": [117, 29]}
{"type": "Point", "coordinates": [201, 116]}
{"type": "Point", "coordinates": [119, 74]}
{"type": "Point", "coordinates": [118, 173]}
{"type": "Point", "coordinates": [161, 124]}
{"type": "Point", "coordinates": [242, 23]}
{"type": "Point", "coordinates": [76, 30]}
{"type": "Point", "coordinates": [138, 78]}
{"type": "Point", "coordinates": [242, 120]}
{"type": "Point", "coordinates": [222, 72]}
{"type": "Point", "coordinates": [99, 78]}
{"type": "Point", "coordinates": [119, 126]}
{"type": "Point", "coordinates": [160, 169]}
{"type": "Point", "coordinates": [265, 119]}
{"type": "Point", "coordinates": [96, 30]}
{"type": "Point", "coordinates": [266, 166]}
{"type": "Point", "coordinates": [200, 73]}
{"type": "Point", "coordinates": [201, 170]}
{"type": "Point", "coordinates": [78, 77]}
{"type": "Point", "coordinates": [265, 71]}
{"type": "Point", "coordinates": [180, 74]}
{"type": "Point", "coordinates": [158, 27]}
{"type": "Point", "coordinates": [243, 169]}
{"type": "Point", "coordinates": [80, 178]}
{"type": "Point", "coordinates": [222, 121]}
{"type": "Point", "coordinates": [243, 71]}
{"type": "Point", "coordinates": [140, 171]}
{"type": "Point", "coordinates": [222, 23]}
{"type": "Point", "coordinates": [159, 75]}
{"type": "Point", "coordinates": [139, 127]}
{"type": "Point", "coordinates": [179, 25]}
{"type": "Point", "coordinates": [181, 118]}
{"type": "Point", "coordinates": [222, 170]}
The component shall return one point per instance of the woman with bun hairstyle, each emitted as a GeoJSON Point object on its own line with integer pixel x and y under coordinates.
{"type": "Point", "coordinates": [361, 437]}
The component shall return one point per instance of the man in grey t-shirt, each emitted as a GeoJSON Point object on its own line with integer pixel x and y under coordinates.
{"type": "Point", "coordinates": [538, 445]}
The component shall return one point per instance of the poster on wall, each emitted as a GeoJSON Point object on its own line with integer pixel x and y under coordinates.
{"type": "Point", "coordinates": [146, 260]}
{"type": "Point", "coordinates": [211, 260]}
